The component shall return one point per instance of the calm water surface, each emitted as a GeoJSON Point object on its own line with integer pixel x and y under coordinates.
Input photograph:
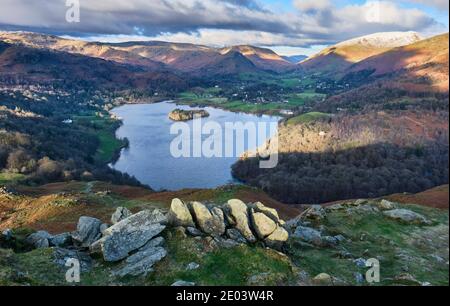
{"type": "Point", "coordinates": [149, 159]}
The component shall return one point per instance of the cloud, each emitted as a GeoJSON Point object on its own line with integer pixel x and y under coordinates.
{"type": "Point", "coordinates": [440, 4]}
{"type": "Point", "coordinates": [312, 5]}
{"type": "Point", "coordinates": [218, 22]}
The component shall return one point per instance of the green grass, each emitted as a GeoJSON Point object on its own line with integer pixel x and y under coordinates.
{"type": "Point", "coordinates": [10, 178]}
{"type": "Point", "coordinates": [220, 267]}
{"type": "Point", "coordinates": [104, 129]}
{"type": "Point", "coordinates": [382, 237]}
{"type": "Point", "coordinates": [307, 118]}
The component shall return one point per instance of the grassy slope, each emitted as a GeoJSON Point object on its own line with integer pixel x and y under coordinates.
{"type": "Point", "coordinates": [56, 208]}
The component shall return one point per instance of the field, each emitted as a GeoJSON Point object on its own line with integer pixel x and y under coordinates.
{"type": "Point", "coordinates": [7, 177]}
{"type": "Point", "coordinates": [104, 129]}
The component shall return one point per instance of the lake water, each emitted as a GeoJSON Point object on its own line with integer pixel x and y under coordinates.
{"type": "Point", "coordinates": [149, 156]}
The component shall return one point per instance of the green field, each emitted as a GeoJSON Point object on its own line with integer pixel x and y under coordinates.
{"type": "Point", "coordinates": [105, 130]}
{"type": "Point", "coordinates": [8, 178]}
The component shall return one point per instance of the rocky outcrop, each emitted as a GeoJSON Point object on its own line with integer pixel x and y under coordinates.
{"type": "Point", "coordinates": [39, 239]}
{"type": "Point", "coordinates": [129, 235]}
{"type": "Point", "coordinates": [237, 212]}
{"type": "Point", "coordinates": [179, 214]}
{"type": "Point", "coordinates": [88, 231]}
{"type": "Point", "coordinates": [230, 225]}
{"type": "Point", "coordinates": [209, 221]}
{"type": "Point", "coordinates": [187, 115]}
{"type": "Point", "coordinates": [142, 262]}
{"type": "Point", "coordinates": [407, 216]}
{"type": "Point", "coordinates": [263, 225]}
{"type": "Point", "coordinates": [120, 214]}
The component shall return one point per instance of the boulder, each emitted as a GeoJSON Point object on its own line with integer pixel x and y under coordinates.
{"type": "Point", "coordinates": [120, 214]}
{"type": "Point", "coordinates": [277, 238]}
{"type": "Point", "coordinates": [142, 262]}
{"type": "Point", "coordinates": [88, 231]}
{"type": "Point", "coordinates": [308, 235]}
{"type": "Point", "coordinates": [179, 214]}
{"type": "Point", "coordinates": [316, 212]}
{"type": "Point", "coordinates": [39, 239]}
{"type": "Point", "coordinates": [386, 205]}
{"type": "Point", "coordinates": [61, 240]}
{"type": "Point", "coordinates": [129, 235]}
{"type": "Point", "coordinates": [407, 216]}
{"type": "Point", "coordinates": [238, 213]}
{"type": "Point", "coordinates": [181, 283]}
{"type": "Point", "coordinates": [269, 212]}
{"type": "Point", "coordinates": [211, 222]}
{"type": "Point", "coordinates": [7, 234]}
{"type": "Point", "coordinates": [236, 235]}
{"type": "Point", "coordinates": [194, 232]}
{"type": "Point", "coordinates": [323, 279]}
{"type": "Point", "coordinates": [192, 266]}
{"type": "Point", "coordinates": [262, 224]}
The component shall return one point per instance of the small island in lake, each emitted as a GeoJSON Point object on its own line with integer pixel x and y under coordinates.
{"type": "Point", "coordinates": [187, 115]}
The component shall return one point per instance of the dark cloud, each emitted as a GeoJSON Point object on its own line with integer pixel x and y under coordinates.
{"type": "Point", "coordinates": [316, 22]}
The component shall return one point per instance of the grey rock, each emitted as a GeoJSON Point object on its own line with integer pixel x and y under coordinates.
{"type": "Point", "coordinates": [129, 235]}
{"type": "Point", "coordinates": [120, 214]}
{"type": "Point", "coordinates": [323, 279]}
{"type": "Point", "coordinates": [407, 216]}
{"type": "Point", "coordinates": [179, 214]}
{"type": "Point", "coordinates": [181, 283]}
{"type": "Point", "coordinates": [154, 243]}
{"type": "Point", "coordinates": [316, 212]}
{"type": "Point", "coordinates": [359, 278]}
{"type": "Point", "coordinates": [194, 232]}
{"type": "Point", "coordinates": [7, 235]}
{"type": "Point", "coordinates": [238, 212]}
{"type": "Point", "coordinates": [225, 243]}
{"type": "Point", "coordinates": [386, 205]}
{"type": "Point", "coordinates": [39, 240]}
{"type": "Point", "coordinates": [103, 228]}
{"type": "Point", "coordinates": [309, 235]}
{"type": "Point", "coordinates": [330, 241]}
{"type": "Point", "coordinates": [192, 266]}
{"type": "Point", "coordinates": [61, 240]}
{"type": "Point", "coordinates": [269, 212]}
{"type": "Point", "coordinates": [360, 262]}
{"type": "Point", "coordinates": [277, 239]}
{"type": "Point", "coordinates": [236, 235]}
{"type": "Point", "coordinates": [263, 225]}
{"type": "Point", "coordinates": [62, 256]}
{"type": "Point", "coordinates": [88, 231]}
{"type": "Point", "coordinates": [142, 262]}
{"type": "Point", "coordinates": [211, 222]}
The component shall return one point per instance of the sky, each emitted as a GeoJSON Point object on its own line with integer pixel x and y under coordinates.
{"type": "Point", "coordinates": [290, 27]}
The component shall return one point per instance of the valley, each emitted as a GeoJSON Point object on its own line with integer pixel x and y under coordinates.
{"type": "Point", "coordinates": [84, 132]}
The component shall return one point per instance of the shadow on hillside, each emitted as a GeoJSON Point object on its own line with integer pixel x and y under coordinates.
{"type": "Point", "coordinates": [362, 172]}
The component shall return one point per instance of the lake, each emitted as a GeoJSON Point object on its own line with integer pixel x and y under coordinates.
{"type": "Point", "coordinates": [149, 157]}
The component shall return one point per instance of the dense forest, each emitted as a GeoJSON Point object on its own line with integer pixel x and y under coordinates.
{"type": "Point", "coordinates": [361, 156]}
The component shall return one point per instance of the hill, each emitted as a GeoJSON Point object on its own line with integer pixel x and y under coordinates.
{"type": "Point", "coordinates": [26, 65]}
{"type": "Point", "coordinates": [157, 56]}
{"type": "Point", "coordinates": [337, 58]}
{"type": "Point", "coordinates": [421, 66]}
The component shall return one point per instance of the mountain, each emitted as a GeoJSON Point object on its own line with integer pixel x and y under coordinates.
{"type": "Point", "coordinates": [423, 65]}
{"type": "Point", "coordinates": [340, 57]}
{"type": "Point", "coordinates": [295, 59]}
{"type": "Point", "coordinates": [21, 64]}
{"type": "Point", "coordinates": [158, 56]}
{"type": "Point", "coordinates": [264, 59]}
